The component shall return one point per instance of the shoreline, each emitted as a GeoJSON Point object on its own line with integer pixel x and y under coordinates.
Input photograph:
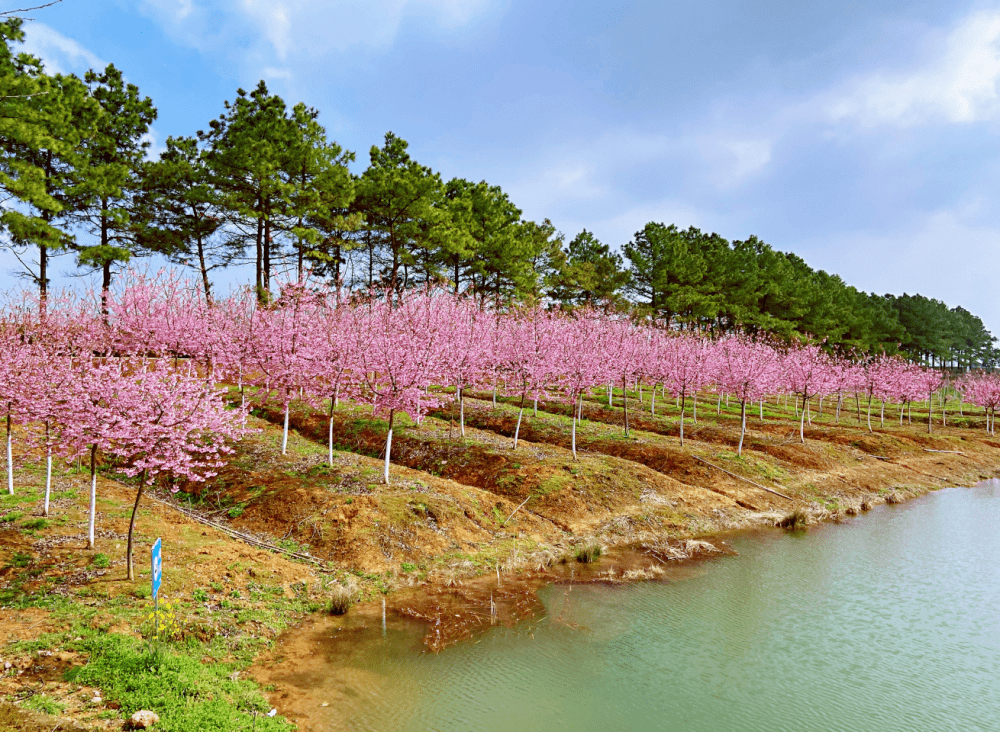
{"type": "Point", "coordinates": [452, 531]}
{"type": "Point", "coordinates": [449, 616]}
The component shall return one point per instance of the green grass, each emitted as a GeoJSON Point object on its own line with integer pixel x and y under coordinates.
{"type": "Point", "coordinates": [44, 704]}
{"type": "Point", "coordinates": [588, 554]}
{"type": "Point", "coordinates": [102, 561]}
{"type": "Point", "coordinates": [186, 692]}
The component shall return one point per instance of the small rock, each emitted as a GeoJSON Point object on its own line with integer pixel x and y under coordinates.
{"type": "Point", "coordinates": [143, 719]}
{"type": "Point", "coordinates": [97, 700]}
{"type": "Point", "coordinates": [325, 704]}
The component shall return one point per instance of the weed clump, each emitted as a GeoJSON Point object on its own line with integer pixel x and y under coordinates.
{"type": "Point", "coordinates": [341, 600]}
{"type": "Point", "coordinates": [589, 553]}
{"type": "Point", "coordinates": [894, 498]}
{"type": "Point", "coordinates": [103, 561]}
{"type": "Point", "coordinates": [797, 520]}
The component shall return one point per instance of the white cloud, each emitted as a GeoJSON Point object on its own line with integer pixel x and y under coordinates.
{"type": "Point", "coordinates": [278, 29]}
{"type": "Point", "coordinates": [957, 84]}
{"type": "Point", "coordinates": [156, 148]}
{"type": "Point", "coordinates": [734, 159]}
{"type": "Point", "coordinates": [60, 54]}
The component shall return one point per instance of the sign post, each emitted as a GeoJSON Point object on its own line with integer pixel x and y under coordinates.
{"type": "Point", "coordinates": [157, 572]}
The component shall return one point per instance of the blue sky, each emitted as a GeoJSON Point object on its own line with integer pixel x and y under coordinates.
{"type": "Point", "coordinates": [861, 136]}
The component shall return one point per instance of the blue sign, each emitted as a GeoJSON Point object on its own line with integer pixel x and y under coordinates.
{"type": "Point", "coordinates": [157, 568]}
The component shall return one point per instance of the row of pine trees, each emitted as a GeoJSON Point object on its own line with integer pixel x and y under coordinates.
{"type": "Point", "coordinates": [263, 184]}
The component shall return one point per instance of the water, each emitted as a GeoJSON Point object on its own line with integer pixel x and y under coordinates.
{"type": "Point", "coordinates": [888, 623]}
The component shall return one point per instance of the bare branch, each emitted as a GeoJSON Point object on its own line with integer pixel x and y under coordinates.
{"type": "Point", "coordinates": [9, 13]}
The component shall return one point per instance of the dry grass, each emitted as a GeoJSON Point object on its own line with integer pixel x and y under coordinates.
{"type": "Point", "coordinates": [341, 599]}
{"type": "Point", "coordinates": [797, 520]}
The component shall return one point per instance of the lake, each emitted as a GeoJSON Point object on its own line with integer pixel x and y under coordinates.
{"type": "Point", "coordinates": [889, 622]}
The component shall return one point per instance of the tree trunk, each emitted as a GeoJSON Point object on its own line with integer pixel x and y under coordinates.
{"type": "Point", "coordinates": [266, 268]}
{"type": "Point", "coordinates": [802, 421]}
{"type": "Point", "coordinates": [930, 410]}
{"type": "Point", "coordinates": [461, 411]}
{"type": "Point", "coordinates": [625, 404]}
{"type": "Point", "coordinates": [388, 444]}
{"type": "Point", "coordinates": [10, 457]}
{"type": "Point", "coordinates": [131, 528]}
{"type": "Point", "coordinates": [284, 429]}
{"type": "Point", "coordinates": [259, 262]}
{"type": "Point", "coordinates": [517, 430]}
{"type": "Point", "coordinates": [333, 403]}
{"type": "Point", "coordinates": [573, 439]}
{"type": "Point", "coordinates": [683, 406]}
{"type": "Point", "coordinates": [93, 496]}
{"type": "Point", "coordinates": [203, 268]}
{"type": "Point", "coordinates": [48, 470]}
{"type": "Point", "coordinates": [743, 427]}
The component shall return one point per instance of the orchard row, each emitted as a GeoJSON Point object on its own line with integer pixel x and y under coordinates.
{"type": "Point", "coordinates": [143, 381]}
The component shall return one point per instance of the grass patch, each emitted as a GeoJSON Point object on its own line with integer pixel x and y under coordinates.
{"type": "Point", "coordinates": [797, 520]}
{"type": "Point", "coordinates": [187, 693]}
{"type": "Point", "coordinates": [11, 517]}
{"type": "Point", "coordinates": [35, 523]}
{"type": "Point", "coordinates": [588, 554]}
{"type": "Point", "coordinates": [103, 561]}
{"type": "Point", "coordinates": [340, 601]}
{"type": "Point", "coordinates": [44, 704]}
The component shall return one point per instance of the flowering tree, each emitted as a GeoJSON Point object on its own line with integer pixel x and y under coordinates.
{"type": "Point", "coordinates": [745, 368]}
{"type": "Point", "coordinates": [169, 421]}
{"type": "Point", "coordinates": [805, 371]}
{"type": "Point", "coordinates": [400, 353]}
{"type": "Point", "coordinates": [686, 363]}
{"type": "Point", "coordinates": [528, 347]}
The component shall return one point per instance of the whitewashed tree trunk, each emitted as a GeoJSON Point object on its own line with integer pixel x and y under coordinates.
{"type": "Point", "coordinates": [388, 444]}
{"type": "Point", "coordinates": [284, 431]}
{"type": "Point", "coordinates": [93, 496]}
{"type": "Point", "coordinates": [743, 428]}
{"type": "Point", "coordinates": [48, 470]}
{"type": "Point", "coordinates": [10, 460]}
{"type": "Point", "coordinates": [517, 430]}
{"type": "Point", "coordinates": [388, 451]}
{"type": "Point", "coordinates": [573, 439]}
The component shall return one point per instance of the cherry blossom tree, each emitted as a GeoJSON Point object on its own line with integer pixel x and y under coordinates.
{"type": "Point", "coordinates": [169, 421]}
{"type": "Point", "coordinates": [745, 368]}
{"type": "Point", "coordinates": [400, 353]}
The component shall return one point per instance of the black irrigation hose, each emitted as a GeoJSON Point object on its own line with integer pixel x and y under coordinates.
{"type": "Point", "coordinates": [241, 536]}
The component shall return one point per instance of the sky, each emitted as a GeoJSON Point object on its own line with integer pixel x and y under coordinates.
{"type": "Point", "coordinates": [859, 135]}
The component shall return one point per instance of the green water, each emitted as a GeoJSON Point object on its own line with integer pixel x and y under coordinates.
{"type": "Point", "coordinates": [890, 622]}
